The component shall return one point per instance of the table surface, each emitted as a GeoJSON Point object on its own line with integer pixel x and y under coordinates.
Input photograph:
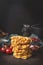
{"type": "Point", "coordinates": [36, 59]}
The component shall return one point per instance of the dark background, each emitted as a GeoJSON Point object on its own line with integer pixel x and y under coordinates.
{"type": "Point", "coordinates": [14, 13]}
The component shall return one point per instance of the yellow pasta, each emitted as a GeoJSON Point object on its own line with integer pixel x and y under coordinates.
{"type": "Point", "coordinates": [21, 46]}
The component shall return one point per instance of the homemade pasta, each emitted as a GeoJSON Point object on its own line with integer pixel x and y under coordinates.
{"type": "Point", "coordinates": [21, 47]}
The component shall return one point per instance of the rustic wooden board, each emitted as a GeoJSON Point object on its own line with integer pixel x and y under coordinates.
{"type": "Point", "coordinates": [10, 60]}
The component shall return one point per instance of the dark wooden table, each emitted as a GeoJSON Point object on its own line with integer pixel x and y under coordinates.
{"type": "Point", "coordinates": [36, 59]}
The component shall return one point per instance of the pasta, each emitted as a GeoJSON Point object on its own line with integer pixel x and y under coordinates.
{"type": "Point", "coordinates": [21, 46]}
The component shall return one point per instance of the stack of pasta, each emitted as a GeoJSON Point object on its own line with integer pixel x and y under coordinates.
{"type": "Point", "coordinates": [21, 46]}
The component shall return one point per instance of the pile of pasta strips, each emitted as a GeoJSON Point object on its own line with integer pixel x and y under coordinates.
{"type": "Point", "coordinates": [21, 46]}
